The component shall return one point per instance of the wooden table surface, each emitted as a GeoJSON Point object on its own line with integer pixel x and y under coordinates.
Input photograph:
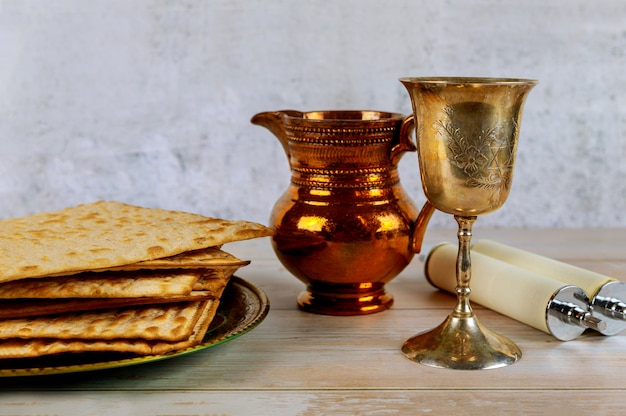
{"type": "Point", "coordinates": [296, 363]}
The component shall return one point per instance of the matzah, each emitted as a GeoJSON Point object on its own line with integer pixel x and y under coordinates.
{"type": "Point", "coordinates": [211, 257]}
{"type": "Point", "coordinates": [108, 276]}
{"type": "Point", "coordinates": [22, 308]}
{"type": "Point", "coordinates": [108, 234]}
{"type": "Point", "coordinates": [28, 348]}
{"type": "Point", "coordinates": [104, 285]}
{"type": "Point", "coordinates": [170, 322]}
{"type": "Point", "coordinates": [151, 329]}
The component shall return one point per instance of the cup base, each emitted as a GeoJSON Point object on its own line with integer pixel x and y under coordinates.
{"type": "Point", "coordinates": [461, 343]}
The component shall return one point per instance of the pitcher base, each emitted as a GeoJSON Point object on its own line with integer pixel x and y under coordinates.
{"type": "Point", "coordinates": [344, 304]}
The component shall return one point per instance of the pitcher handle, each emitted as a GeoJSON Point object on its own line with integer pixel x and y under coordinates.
{"type": "Point", "coordinates": [406, 144]}
{"type": "Point", "coordinates": [405, 141]}
{"type": "Point", "coordinates": [420, 225]}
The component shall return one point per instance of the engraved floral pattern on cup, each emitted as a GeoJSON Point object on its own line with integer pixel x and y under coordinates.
{"type": "Point", "coordinates": [483, 156]}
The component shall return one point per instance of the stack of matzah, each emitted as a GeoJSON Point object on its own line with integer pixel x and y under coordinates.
{"type": "Point", "coordinates": [108, 276]}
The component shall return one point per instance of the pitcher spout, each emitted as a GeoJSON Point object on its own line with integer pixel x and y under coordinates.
{"type": "Point", "coordinates": [274, 122]}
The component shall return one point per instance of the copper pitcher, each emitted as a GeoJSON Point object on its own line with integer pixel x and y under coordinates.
{"type": "Point", "coordinates": [345, 226]}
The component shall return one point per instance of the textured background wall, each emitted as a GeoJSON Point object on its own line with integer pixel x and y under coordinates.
{"type": "Point", "coordinates": [149, 101]}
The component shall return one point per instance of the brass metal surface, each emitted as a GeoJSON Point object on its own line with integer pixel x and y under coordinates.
{"type": "Point", "coordinates": [345, 226]}
{"type": "Point", "coordinates": [467, 131]}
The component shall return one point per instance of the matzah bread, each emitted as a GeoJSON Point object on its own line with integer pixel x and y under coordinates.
{"type": "Point", "coordinates": [213, 280]}
{"type": "Point", "coordinates": [23, 308]}
{"type": "Point", "coordinates": [28, 348]}
{"type": "Point", "coordinates": [211, 257]}
{"type": "Point", "coordinates": [104, 285]}
{"type": "Point", "coordinates": [209, 285]}
{"type": "Point", "coordinates": [170, 322]}
{"type": "Point", "coordinates": [112, 277]}
{"type": "Point", "coordinates": [107, 234]}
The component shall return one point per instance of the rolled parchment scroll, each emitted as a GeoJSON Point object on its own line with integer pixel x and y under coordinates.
{"type": "Point", "coordinates": [547, 304]}
{"type": "Point", "coordinates": [607, 295]}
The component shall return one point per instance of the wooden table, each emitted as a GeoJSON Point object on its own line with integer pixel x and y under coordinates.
{"type": "Point", "coordinates": [296, 363]}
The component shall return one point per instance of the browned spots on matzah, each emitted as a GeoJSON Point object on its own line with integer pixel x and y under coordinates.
{"type": "Point", "coordinates": [155, 252]}
{"type": "Point", "coordinates": [97, 250]}
{"type": "Point", "coordinates": [28, 269]}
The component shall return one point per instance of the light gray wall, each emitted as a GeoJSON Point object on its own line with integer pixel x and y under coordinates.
{"type": "Point", "coordinates": [149, 101]}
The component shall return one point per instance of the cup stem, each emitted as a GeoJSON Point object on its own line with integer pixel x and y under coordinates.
{"type": "Point", "coordinates": [461, 342]}
{"type": "Point", "coordinates": [463, 308]}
